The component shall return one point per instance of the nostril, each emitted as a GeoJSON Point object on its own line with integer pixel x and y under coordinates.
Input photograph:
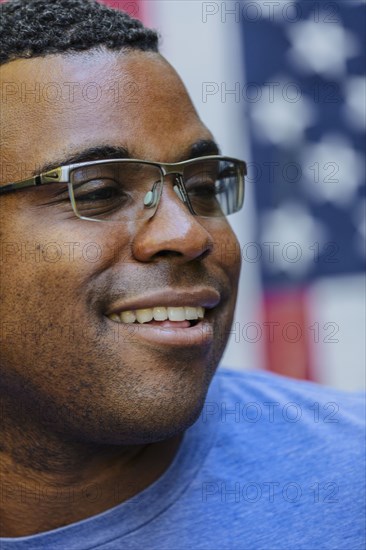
{"type": "Point", "coordinates": [174, 253]}
{"type": "Point", "coordinates": [204, 254]}
{"type": "Point", "coordinates": [163, 253]}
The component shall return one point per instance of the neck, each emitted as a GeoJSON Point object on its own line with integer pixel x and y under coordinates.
{"type": "Point", "coordinates": [52, 483]}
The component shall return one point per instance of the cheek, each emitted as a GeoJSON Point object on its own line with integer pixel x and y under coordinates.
{"type": "Point", "coordinates": [226, 248]}
{"type": "Point", "coordinates": [48, 265]}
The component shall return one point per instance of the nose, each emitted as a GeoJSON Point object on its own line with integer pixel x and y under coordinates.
{"type": "Point", "coordinates": [172, 231]}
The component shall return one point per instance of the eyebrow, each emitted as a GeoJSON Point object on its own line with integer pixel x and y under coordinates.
{"type": "Point", "coordinates": [97, 152]}
{"type": "Point", "coordinates": [200, 148]}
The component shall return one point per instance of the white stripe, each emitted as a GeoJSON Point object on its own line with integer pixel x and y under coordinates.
{"type": "Point", "coordinates": [337, 331]}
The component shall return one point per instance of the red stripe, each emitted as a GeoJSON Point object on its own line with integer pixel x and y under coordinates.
{"type": "Point", "coordinates": [287, 338]}
{"type": "Point", "coordinates": [132, 7]}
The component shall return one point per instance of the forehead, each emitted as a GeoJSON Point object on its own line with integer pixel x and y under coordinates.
{"type": "Point", "coordinates": [57, 104]}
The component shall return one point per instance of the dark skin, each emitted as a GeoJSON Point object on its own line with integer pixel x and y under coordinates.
{"type": "Point", "coordinates": [85, 412]}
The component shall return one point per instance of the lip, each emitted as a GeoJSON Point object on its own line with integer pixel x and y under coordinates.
{"type": "Point", "coordinates": [207, 298]}
{"type": "Point", "coordinates": [200, 334]}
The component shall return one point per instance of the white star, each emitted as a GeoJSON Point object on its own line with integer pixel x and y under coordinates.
{"type": "Point", "coordinates": [298, 235]}
{"type": "Point", "coordinates": [282, 113]}
{"type": "Point", "coordinates": [321, 47]}
{"type": "Point", "coordinates": [332, 170]}
{"type": "Point", "coordinates": [354, 110]}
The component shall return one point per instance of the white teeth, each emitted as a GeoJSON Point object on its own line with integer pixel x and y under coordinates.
{"type": "Point", "coordinates": [191, 313]}
{"type": "Point", "coordinates": [176, 314]}
{"type": "Point", "coordinates": [201, 312]}
{"type": "Point", "coordinates": [114, 317]}
{"type": "Point", "coordinates": [128, 317]}
{"type": "Point", "coordinates": [144, 315]}
{"type": "Point", "coordinates": [159, 313]}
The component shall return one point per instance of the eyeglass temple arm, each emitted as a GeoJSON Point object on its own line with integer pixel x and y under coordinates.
{"type": "Point", "coordinates": [58, 175]}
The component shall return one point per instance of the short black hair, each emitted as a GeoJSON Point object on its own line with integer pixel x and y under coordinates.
{"type": "Point", "coordinates": [35, 28]}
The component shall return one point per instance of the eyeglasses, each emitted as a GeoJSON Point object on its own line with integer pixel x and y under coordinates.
{"type": "Point", "coordinates": [130, 189]}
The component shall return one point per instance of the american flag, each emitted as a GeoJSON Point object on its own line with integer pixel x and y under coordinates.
{"type": "Point", "coordinates": [307, 60]}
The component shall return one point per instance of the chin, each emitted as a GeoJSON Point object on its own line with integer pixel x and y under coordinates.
{"type": "Point", "coordinates": [145, 422]}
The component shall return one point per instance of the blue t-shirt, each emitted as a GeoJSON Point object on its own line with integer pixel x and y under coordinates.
{"type": "Point", "coordinates": [271, 463]}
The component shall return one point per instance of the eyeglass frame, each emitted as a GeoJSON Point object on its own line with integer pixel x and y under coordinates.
{"type": "Point", "coordinates": [61, 174]}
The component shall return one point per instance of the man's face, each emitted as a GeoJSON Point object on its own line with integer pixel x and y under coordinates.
{"type": "Point", "coordinates": [81, 373]}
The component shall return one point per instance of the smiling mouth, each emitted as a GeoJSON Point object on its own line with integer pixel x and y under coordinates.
{"type": "Point", "coordinates": [165, 317]}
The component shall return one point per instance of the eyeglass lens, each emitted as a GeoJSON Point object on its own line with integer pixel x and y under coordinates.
{"type": "Point", "coordinates": [117, 191]}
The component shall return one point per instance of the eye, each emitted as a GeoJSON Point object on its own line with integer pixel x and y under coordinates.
{"type": "Point", "coordinates": [200, 182]}
{"type": "Point", "coordinates": [102, 194]}
{"type": "Point", "coordinates": [100, 197]}
{"type": "Point", "coordinates": [203, 190]}
{"type": "Point", "coordinates": [105, 189]}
